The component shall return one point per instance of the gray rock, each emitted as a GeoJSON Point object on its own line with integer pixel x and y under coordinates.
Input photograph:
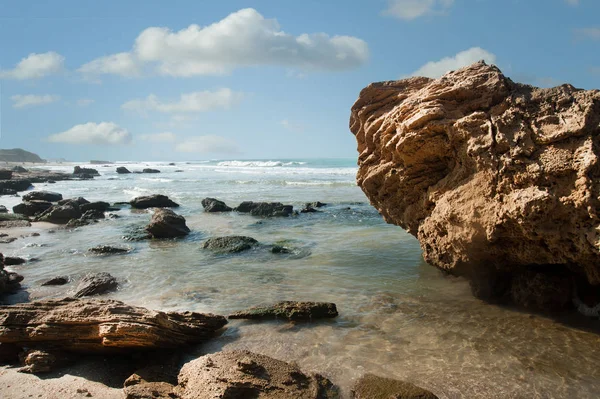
{"type": "Point", "coordinates": [153, 201]}
{"type": "Point", "coordinates": [32, 208]}
{"type": "Point", "coordinates": [265, 209]}
{"type": "Point", "coordinates": [49, 196]}
{"type": "Point", "coordinates": [149, 170]}
{"type": "Point", "coordinates": [78, 170]}
{"type": "Point", "coordinates": [61, 214]}
{"type": "Point", "coordinates": [214, 205]}
{"type": "Point", "coordinates": [108, 250]}
{"type": "Point", "coordinates": [13, 261]}
{"type": "Point", "coordinates": [229, 244]}
{"type": "Point", "coordinates": [3, 209]}
{"type": "Point", "coordinates": [78, 200]}
{"type": "Point", "coordinates": [95, 284]}
{"type": "Point", "coordinates": [60, 280]}
{"type": "Point", "coordinates": [123, 170]}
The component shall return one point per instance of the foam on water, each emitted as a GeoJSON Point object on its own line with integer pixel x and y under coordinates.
{"type": "Point", "coordinates": [399, 317]}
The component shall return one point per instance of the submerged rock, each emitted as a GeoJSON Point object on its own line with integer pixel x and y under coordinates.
{"type": "Point", "coordinates": [373, 387]}
{"type": "Point", "coordinates": [229, 244]}
{"type": "Point", "coordinates": [244, 374]}
{"type": "Point", "coordinates": [101, 326]}
{"type": "Point", "coordinates": [153, 201]}
{"type": "Point", "coordinates": [108, 250]}
{"type": "Point", "coordinates": [265, 209]}
{"type": "Point", "coordinates": [289, 310]}
{"type": "Point", "coordinates": [49, 196]}
{"type": "Point", "coordinates": [95, 284]}
{"type": "Point", "coordinates": [167, 224]}
{"type": "Point", "coordinates": [149, 170]}
{"type": "Point", "coordinates": [488, 174]}
{"type": "Point", "coordinates": [214, 205]}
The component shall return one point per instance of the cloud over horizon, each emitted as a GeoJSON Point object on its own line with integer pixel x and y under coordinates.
{"type": "Point", "coordinates": [408, 10]}
{"type": "Point", "coordinates": [35, 66]}
{"type": "Point", "coordinates": [209, 144]}
{"type": "Point", "coordinates": [104, 133]}
{"type": "Point", "coordinates": [435, 69]}
{"type": "Point", "coordinates": [242, 39]}
{"type": "Point", "coordinates": [31, 100]}
{"type": "Point", "coordinates": [199, 101]}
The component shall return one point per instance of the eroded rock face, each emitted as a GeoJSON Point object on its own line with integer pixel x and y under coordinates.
{"type": "Point", "coordinates": [244, 374]}
{"type": "Point", "coordinates": [101, 326]}
{"type": "Point", "coordinates": [488, 174]}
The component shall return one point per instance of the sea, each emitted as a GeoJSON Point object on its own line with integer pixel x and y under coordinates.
{"type": "Point", "coordinates": [398, 316]}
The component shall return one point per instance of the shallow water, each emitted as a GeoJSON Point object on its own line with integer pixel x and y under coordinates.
{"type": "Point", "coordinates": [399, 317]}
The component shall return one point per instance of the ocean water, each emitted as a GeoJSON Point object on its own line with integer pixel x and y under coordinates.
{"type": "Point", "coordinates": [399, 317]}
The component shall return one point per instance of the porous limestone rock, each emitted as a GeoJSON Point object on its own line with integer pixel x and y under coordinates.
{"type": "Point", "coordinates": [244, 374]}
{"type": "Point", "coordinates": [489, 175]}
{"type": "Point", "coordinates": [101, 326]}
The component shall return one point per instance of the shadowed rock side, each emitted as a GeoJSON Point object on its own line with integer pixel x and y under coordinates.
{"type": "Point", "coordinates": [9, 281]}
{"type": "Point", "coordinates": [490, 175]}
{"type": "Point", "coordinates": [101, 326]}
{"type": "Point", "coordinates": [244, 374]}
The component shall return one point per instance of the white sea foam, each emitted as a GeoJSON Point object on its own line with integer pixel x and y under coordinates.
{"type": "Point", "coordinates": [258, 164]}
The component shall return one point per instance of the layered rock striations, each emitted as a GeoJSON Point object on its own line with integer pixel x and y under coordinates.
{"type": "Point", "coordinates": [491, 176]}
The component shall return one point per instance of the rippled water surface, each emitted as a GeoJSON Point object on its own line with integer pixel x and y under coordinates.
{"type": "Point", "coordinates": [399, 317]}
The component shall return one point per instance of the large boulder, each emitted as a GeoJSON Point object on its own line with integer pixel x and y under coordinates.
{"type": "Point", "coordinates": [79, 171]}
{"type": "Point", "coordinates": [244, 374]}
{"type": "Point", "coordinates": [229, 244]}
{"type": "Point", "coordinates": [49, 196]}
{"type": "Point", "coordinates": [289, 310]}
{"type": "Point", "coordinates": [167, 224]}
{"type": "Point", "coordinates": [215, 205]}
{"type": "Point", "coordinates": [101, 326]}
{"type": "Point", "coordinates": [61, 214]}
{"type": "Point", "coordinates": [489, 175]}
{"type": "Point", "coordinates": [153, 201]}
{"type": "Point", "coordinates": [265, 209]}
{"type": "Point", "coordinates": [32, 208]}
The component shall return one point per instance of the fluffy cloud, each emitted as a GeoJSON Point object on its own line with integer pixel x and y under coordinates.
{"type": "Point", "coordinates": [199, 101]}
{"type": "Point", "coordinates": [31, 100]}
{"type": "Point", "coordinates": [93, 133]}
{"type": "Point", "coordinates": [242, 39]}
{"type": "Point", "coordinates": [589, 33]}
{"type": "Point", "coordinates": [208, 145]}
{"type": "Point", "coordinates": [159, 137]}
{"type": "Point", "coordinates": [412, 9]}
{"type": "Point", "coordinates": [35, 66]}
{"type": "Point", "coordinates": [122, 64]}
{"type": "Point", "coordinates": [435, 69]}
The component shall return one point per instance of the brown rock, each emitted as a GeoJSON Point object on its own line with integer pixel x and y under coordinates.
{"type": "Point", "coordinates": [152, 382]}
{"type": "Point", "coordinates": [373, 387]}
{"type": "Point", "coordinates": [488, 174]}
{"type": "Point", "coordinates": [153, 201]}
{"type": "Point", "coordinates": [167, 224]}
{"type": "Point", "coordinates": [101, 326]}
{"type": "Point", "coordinates": [243, 374]}
{"type": "Point", "coordinates": [41, 361]}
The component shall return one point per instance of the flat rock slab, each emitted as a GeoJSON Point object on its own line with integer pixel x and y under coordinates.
{"type": "Point", "coordinates": [108, 250]}
{"type": "Point", "coordinates": [102, 326]}
{"type": "Point", "coordinates": [289, 310]}
{"type": "Point", "coordinates": [373, 387]}
{"type": "Point", "coordinates": [49, 196]}
{"type": "Point", "coordinates": [244, 374]}
{"type": "Point", "coordinates": [229, 244]}
{"type": "Point", "coordinates": [153, 201]}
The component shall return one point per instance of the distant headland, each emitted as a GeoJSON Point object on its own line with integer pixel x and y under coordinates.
{"type": "Point", "coordinates": [19, 155]}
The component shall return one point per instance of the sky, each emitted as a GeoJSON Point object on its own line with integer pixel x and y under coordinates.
{"type": "Point", "coordinates": [267, 79]}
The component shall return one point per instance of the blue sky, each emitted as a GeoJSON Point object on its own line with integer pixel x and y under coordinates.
{"type": "Point", "coordinates": [187, 80]}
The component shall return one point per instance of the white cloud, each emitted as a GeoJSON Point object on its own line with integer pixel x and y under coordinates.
{"type": "Point", "coordinates": [35, 66]}
{"type": "Point", "coordinates": [123, 64]}
{"type": "Point", "coordinates": [242, 39]}
{"type": "Point", "coordinates": [93, 133]}
{"type": "Point", "coordinates": [159, 137]}
{"type": "Point", "coordinates": [208, 145]}
{"type": "Point", "coordinates": [199, 101]}
{"type": "Point", "coordinates": [412, 9]}
{"type": "Point", "coordinates": [31, 100]}
{"type": "Point", "coordinates": [84, 102]}
{"type": "Point", "coordinates": [435, 69]}
{"type": "Point", "coordinates": [589, 33]}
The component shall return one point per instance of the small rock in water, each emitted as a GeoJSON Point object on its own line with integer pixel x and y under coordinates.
{"type": "Point", "coordinates": [265, 209]}
{"type": "Point", "coordinates": [12, 261]}
{"type": "Point", "coordinates": [149, 170]}
{"type": "Point", "coordinates": [108, 250]}
{"type": "Point", "coordinates": [122, 170]}
{"type": "Point", "coordinates": [373, 387]}
{"type": "Point", "coordinates": [153, 201]}
{"type": "Point", "coordinates": [49, 196]}
{"type": "Point", "coordinates": [61, 280]}
{"type": "Point", "coordinates": [214, 205]}
{"type": "Point", "coordinates": [229, 244]}
{"type": "Point", "coordinates": [95, 284]}
{"type": "Point", "coordinates": [3, 209]}
{"type": "Point", "coordinates": [289, 310]}
{"type": "Point", "coordinates": [167, 224]}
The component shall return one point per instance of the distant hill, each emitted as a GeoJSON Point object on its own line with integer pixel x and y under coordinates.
{"type": "Point", "coordinates": [19, 155]}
